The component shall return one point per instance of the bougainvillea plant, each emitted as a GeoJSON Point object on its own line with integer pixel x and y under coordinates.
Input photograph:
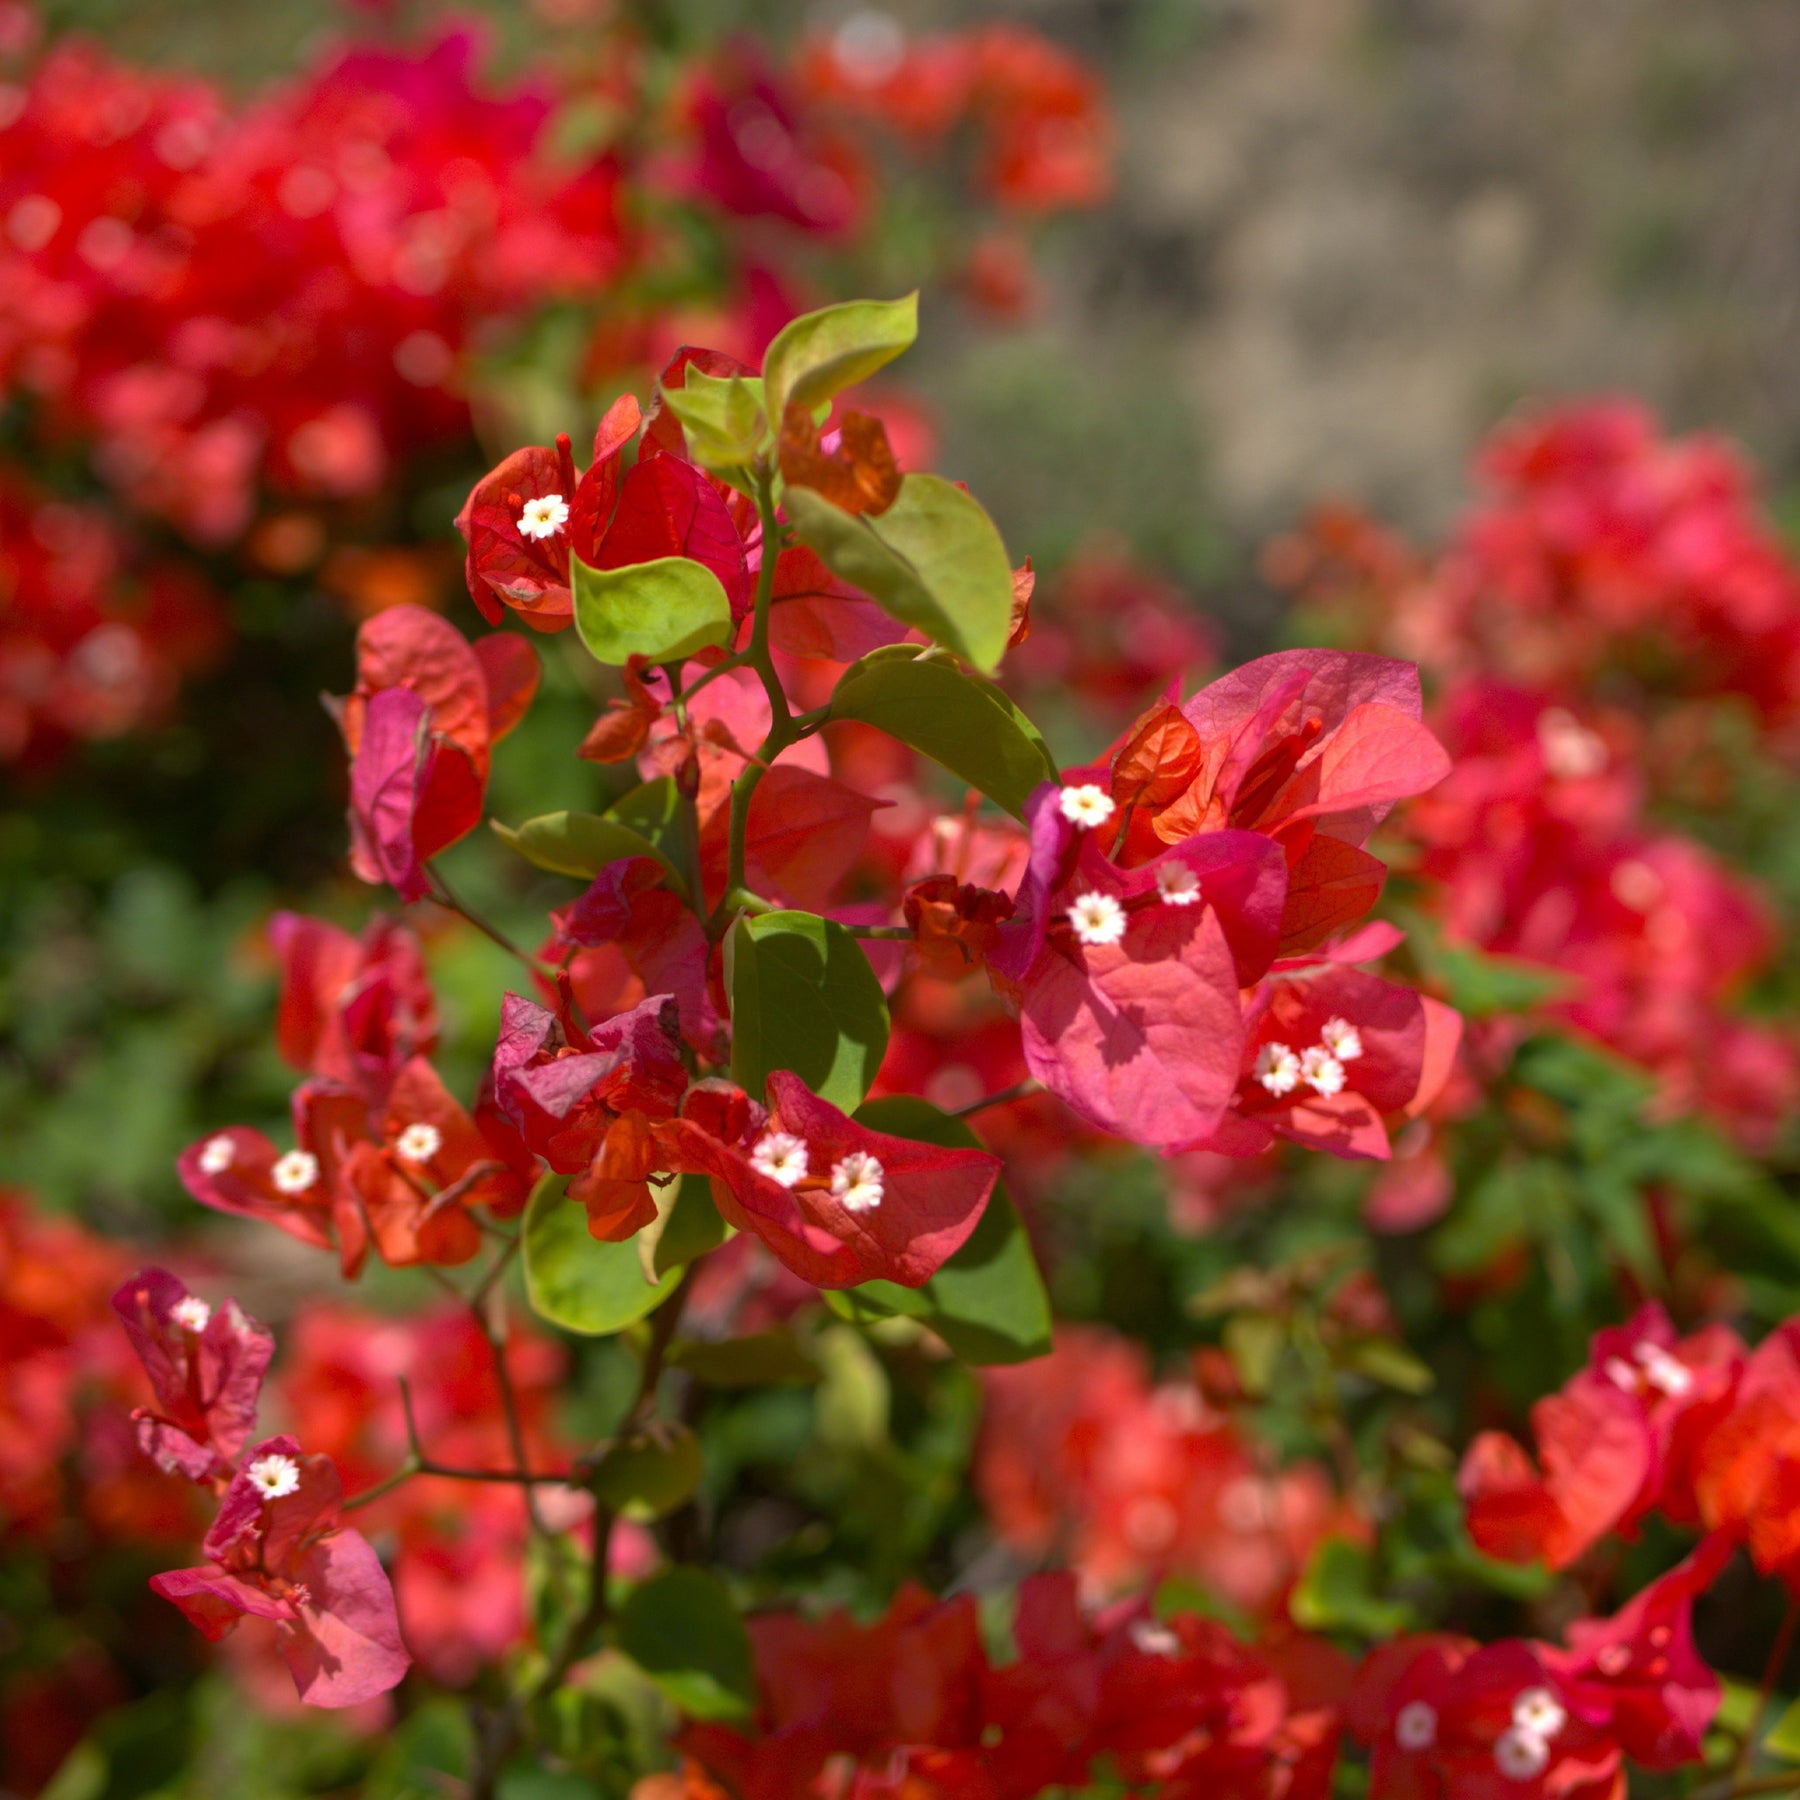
{"type": "Point", "coordinates": [692, 1131]}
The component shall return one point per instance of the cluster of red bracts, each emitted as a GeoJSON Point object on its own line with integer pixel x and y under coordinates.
{"type": "Point", "coordinates": [526, 518]}
{"type": "Point", "coordinates": [386, 1158]}
{"type": "Point", "coordinates": [911, 1708]}
{"type": "Point", "coordinates": [277, 1549]}
{"type": "Point", "coordinates": [1181, 945]}
{"type": "Point", "coordinates": [1697, 1430]}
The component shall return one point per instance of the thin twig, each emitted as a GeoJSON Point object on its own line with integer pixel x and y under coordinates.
{"type": "Point", "coordinates": [445, 896]}
{"type": "Point", "coordinates": [782, 730]}
{"type": "Point", "coordinates": [1778, 1655]}
{"type": "Point", "coordinates": [1020, 1090]}
{"type": "Point", "coordinates": [501, 1738]}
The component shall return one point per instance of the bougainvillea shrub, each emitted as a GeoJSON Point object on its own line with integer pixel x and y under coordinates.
{"type": "Point", "coordinates": [733, 1446]}
{"type": "Point", "coordinates": [852, 1167]}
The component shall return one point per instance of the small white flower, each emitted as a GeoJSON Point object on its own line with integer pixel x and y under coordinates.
{"type": "Point", "coordinates": [1415, 1726]}
{"type": "Point", "coordinates": [1178, 884]}
{"type": "Point", "coordinates": [1635, 884]}
{"type": "Point", "coordinates": [295, 1172]}
{"type": "Point", "coordinates": [1246, 1505]}
{"type": "Point", "coordinates": [217, 1155]}
{"type": "Point", "coordinates": [274, 1476]}
{"type": "Point", "coordinates": [33, 221]}
{"type": "Point", "coordinates": [1322, 1071]}
{"type": "Point", "coordinates": [1086, 805]}
{"type": "Point", "coordinates": [1097, 918]}
{"type": "Point", "coordinates": [1342, 1039]}
{"type": "Point", "coordinates": [1571, 751]}
{"type": "Point", "coordinates": [544, 517]}
{"type": "Point", "coordinates": [858, 1181]}
{"type": "Point", "coordinates": [1664, 1371]}
{"type": "Point", "coordinates": [1520, 1755]}
{"type": "Point", "coordinates": [1151, 1524]}
{"type": "Point", "coordinates": [419, 1142]}
{"type": "Point", "coordinates": [1278, 1069]}
{"type": "Point", "coordinates": [1152, 1638]}
{"type": "Point", "coordinates": [781, 1156]}
{"type": "Point", "coordinates": [1621, 1374]}
{"type": "Point", "coordinates": [191, 1314]}
{"type": "Point", "coordinates": [1539, 1712]}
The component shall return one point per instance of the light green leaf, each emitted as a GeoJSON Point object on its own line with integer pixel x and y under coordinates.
{"type": "Point", "coordinates": [934, 560]}
{"type": "Point", "coordinates": [822, 353]}
{"type": "Point", "coordinates": [721, 417]}
{"type": "Point", "coordinates": [1384, 1360]}
{"type": "Point", "coordinates": [573, 1280]}
{"type": "Point", "coordinates": [582, 844]}
{"type": "Point", "coordinates": [656, 811]}
{"type": "Point", "coordinates": [803, 997]}
{"type": "Point", "coordinates": [663, 610]}
{"type": "Point", "coordinates": [1254, 1341]}
{"type": "Point", "coordinates": [1337, 1593]}
{"type": "Point", "coordinates": [651, 1473]}
{"type": "Point", "coordinates": [681, 1629]}
{"type": "Point", "coordinates": [988, 1301]}
{"type": "Point", "coordinates": [691, 1227]}
{"type": "Point", "coordinates": [1784, 1737]}
{"type": "Point", "coordinates": [955, 718]}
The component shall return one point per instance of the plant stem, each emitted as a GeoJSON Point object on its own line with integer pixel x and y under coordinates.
{"type": "Point", "coordinates": [501, 1737]}
{"type": "Point", "coordinates": [1020, 1090]}
{"type": "Point", "coordinates": [782, 729]}
{"type": "Point", "coordinates": [1778, 1655]}
{"type": "Point", "coordinates": [445, 896]}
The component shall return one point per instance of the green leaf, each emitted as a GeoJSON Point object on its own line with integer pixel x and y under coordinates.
{"type": "Point", "coordinates": [955, 718]}
{"type": "Point", "coordinates": [821, 353]}
{"type": "Point", "coordinates": [1784, 1736]}
{"type": "Point", "coordinates": [692, 1227]}
{"type": "Point", "coordinates": [653, 810]}
{"type": "Point", "coordinates": [434, 1742]}
{"type": "Point", "coordinates": [852, 1407]}
{"type": "Point", "coordinates": [575, 1281]}
{"type": "Point", "coordinates": [664, 610]}
{"type": "Point", "coordinates": [933, 559]}
{"type": "Point", "coordinates": [988, 1301]}
{"type": "Point", "coordinates": [681, 1629]}
{"type": "Point", "coordinates": [650, 1474]}
{"type": "Point", "coordinates": [582, 844]}
{"type": "Point", "coordinates": [764, 1359]}
{"type": "Point", "coordinates": [1254, 1341]}
{"type": "Point", "coordinates": [803, 997]}
{"type": "Point", "coordinates": [1479, 984]}
{"type": "Point", "coordinates": [721, 417]}
{"type": "Point", "coordinates": [1337, 1593]}
{"type": "Point", "coordinates": [1391, 1364]}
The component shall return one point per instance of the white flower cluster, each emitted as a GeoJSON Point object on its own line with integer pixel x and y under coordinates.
{"type": "Point", "coordinates": [543, 517]}
{"type": "Point", "coordinates": [1654, 1367]}
{"type": "Point", "coordinates": [858, 1181]}
{"type": "Point", "coordinates": [419, 1142]}
{"type": "Point", "coordinates": [274, 1476]}
{"type": "Point", "coordinates": [1320, 1066]}
{"type": "Point", "coordinates": [1522, 1751]}
{"type": "Point", "coordinates": [191, 1314]}
{"type": "Point", "coordinates": [217, 1155]}
{"type": "Point", "coordinates": [1086, 805]}
{"type": "Point", "coordinates": [295, 1172]}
